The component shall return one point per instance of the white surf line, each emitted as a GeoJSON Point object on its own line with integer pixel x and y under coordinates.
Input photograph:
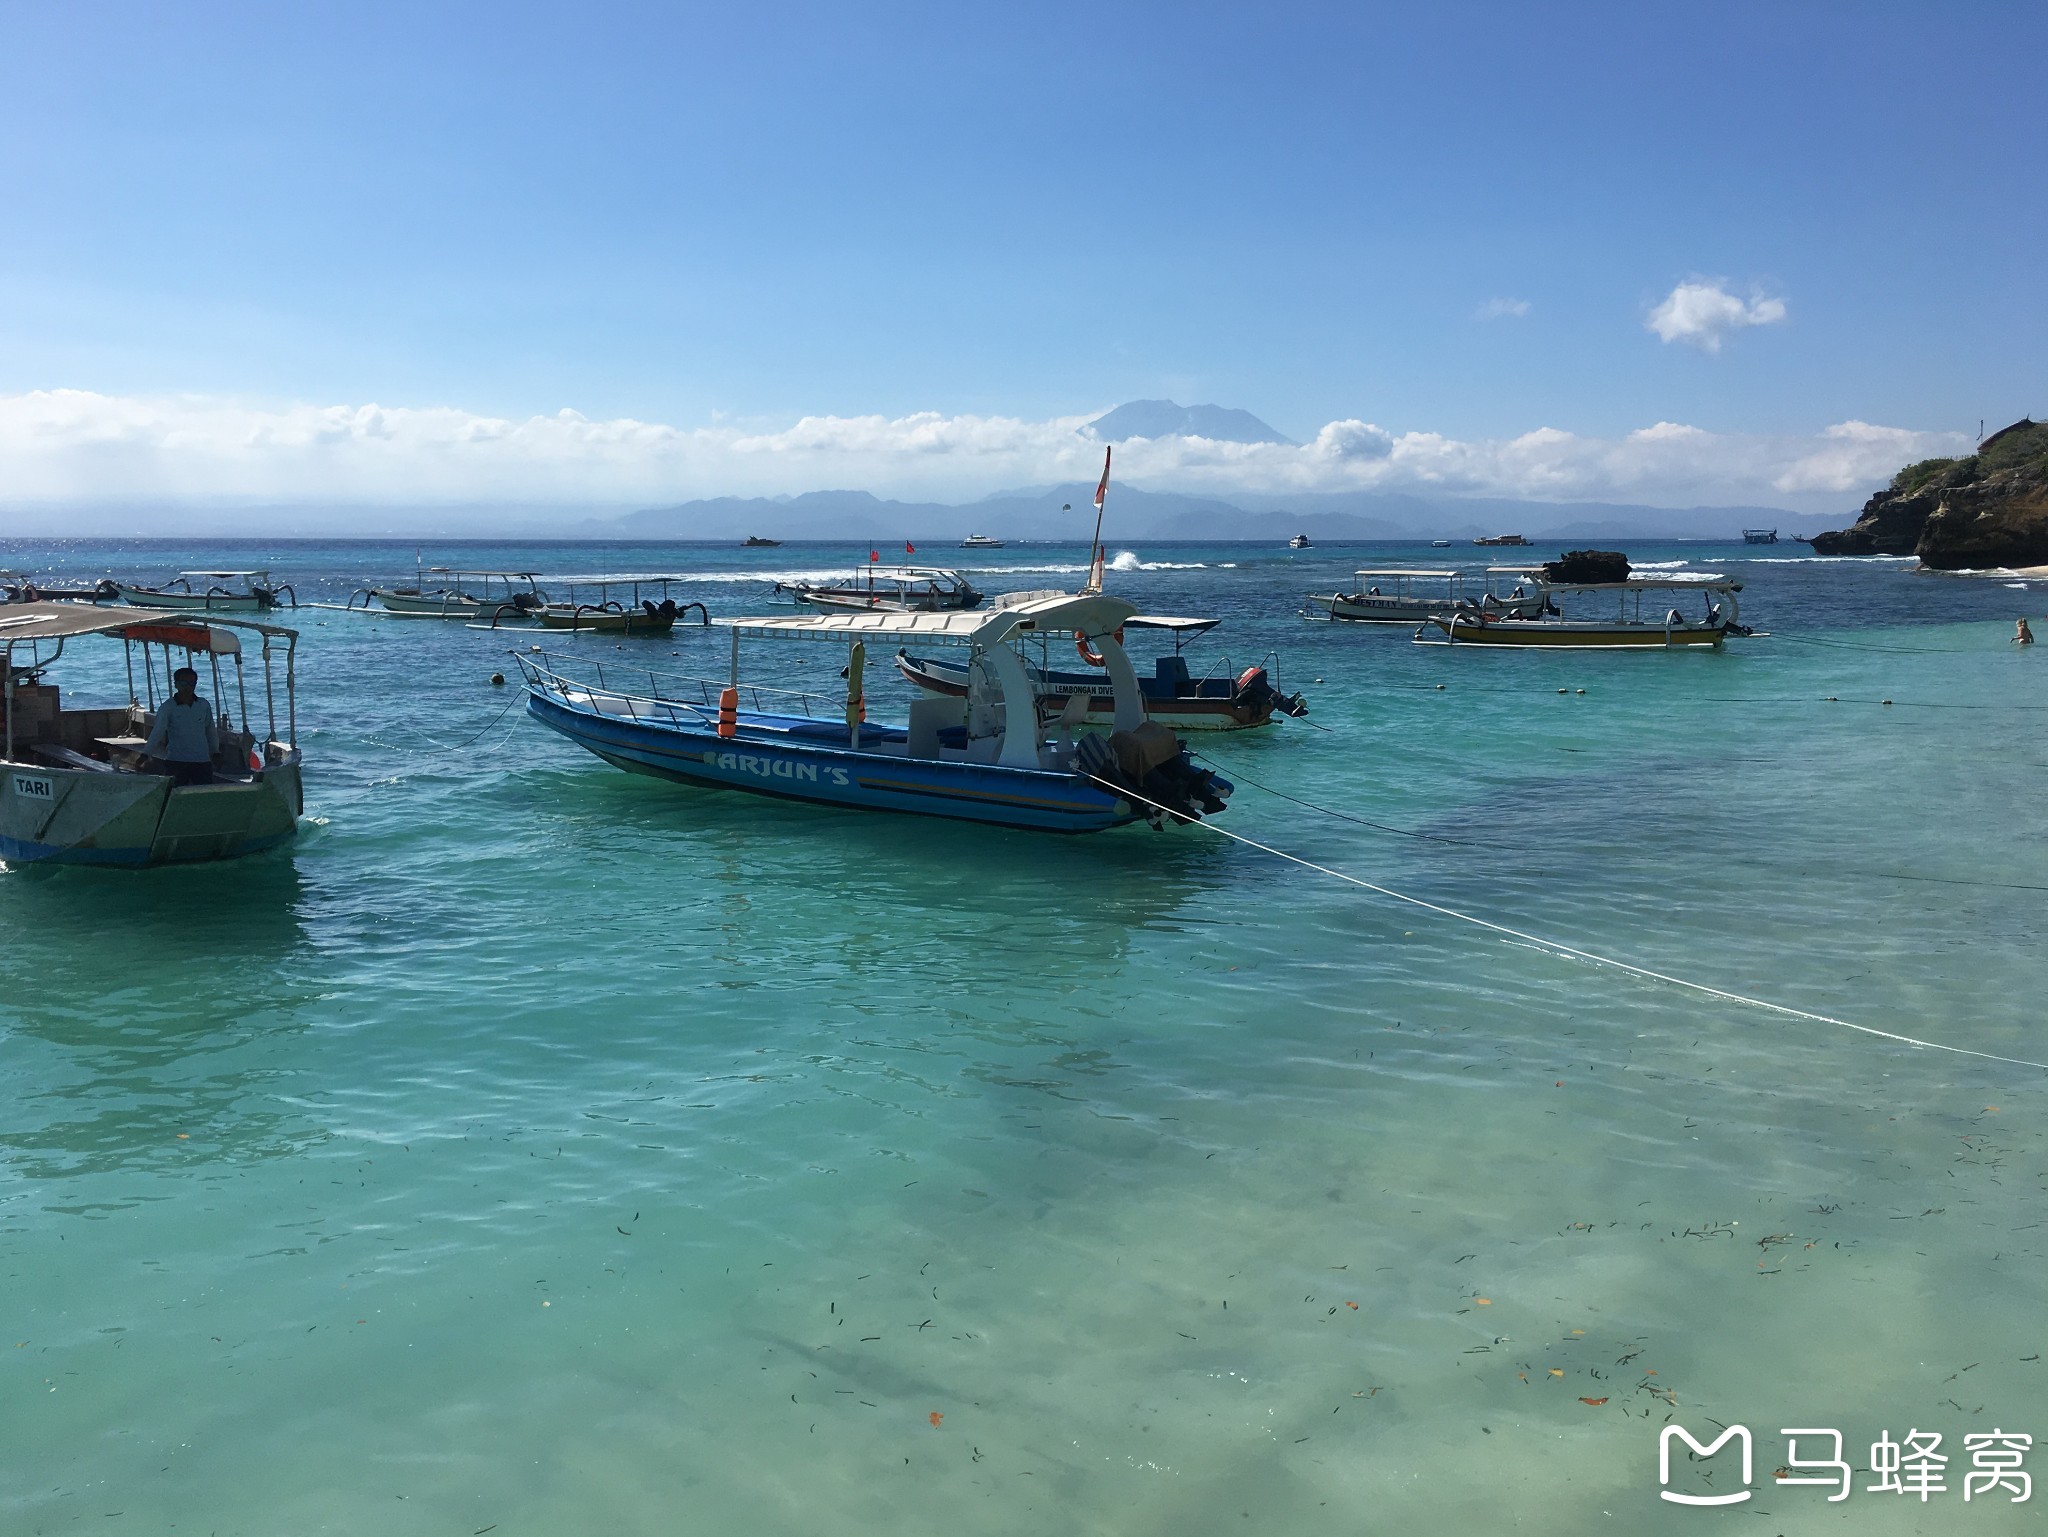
{"type": "Point", "coordinates": [1577, 954]}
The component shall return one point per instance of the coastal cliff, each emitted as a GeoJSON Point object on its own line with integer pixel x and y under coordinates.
{"type": "Point", "coordinates": [1990, 509]}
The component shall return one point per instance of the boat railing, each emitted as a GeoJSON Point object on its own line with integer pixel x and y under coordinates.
{"type": "Point", "coordinates": [666, 691]}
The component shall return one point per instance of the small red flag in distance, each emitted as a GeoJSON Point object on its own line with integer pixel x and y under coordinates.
{"type": "Point", "coordinates": [1103, 490]}
{"type": "Point", "coordinates": [909, 548]}
{"type": "Point", "coordinates": [874, 555]}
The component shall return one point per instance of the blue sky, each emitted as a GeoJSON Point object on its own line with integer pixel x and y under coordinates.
{"type": "Point", "coordinates": [731, 219]}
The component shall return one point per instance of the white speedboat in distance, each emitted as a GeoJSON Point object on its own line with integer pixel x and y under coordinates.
{"type": "Point", "coordinates": [980, 542]}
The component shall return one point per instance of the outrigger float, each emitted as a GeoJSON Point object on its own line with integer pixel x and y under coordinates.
{"type": "Point", "coordinates": [74, 786]}
{"type": "Point", "coordinates": [1173, 696]}
{"type": "Point", "coordinates": [955, 758]}
{"type": "Point", "coordinates": [1408, 595]}
{"type": "Point", "coordinates": [1627, 628]}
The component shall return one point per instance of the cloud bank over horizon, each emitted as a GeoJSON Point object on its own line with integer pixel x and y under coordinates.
{"type": "Point", "coordinates": [75, 447]}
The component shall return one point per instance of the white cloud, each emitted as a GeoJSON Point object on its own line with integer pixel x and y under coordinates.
{"type": "Point", "coordinates": [60, 446]}
{"type": "Point", "coordinates": [1702, 311]}
{"type": "Point", "coordinates": [1502, 309]}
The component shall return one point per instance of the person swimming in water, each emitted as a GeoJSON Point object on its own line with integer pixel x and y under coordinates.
{"type": "Point", "coordinates": [2021, 635]}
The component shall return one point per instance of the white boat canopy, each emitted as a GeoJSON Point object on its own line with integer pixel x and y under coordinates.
{"type": "Point", "coordinates": [1094, 616]}
{"type": "Point", "coordinates": [616, 579]}
{"type": "Point", "coordinates": [58, 621]}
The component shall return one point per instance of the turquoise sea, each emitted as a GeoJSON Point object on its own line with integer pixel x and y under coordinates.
{"type": "Point", "coordinates": [538, 1149]}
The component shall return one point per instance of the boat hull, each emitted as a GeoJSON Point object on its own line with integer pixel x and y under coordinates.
{"type": "Point", "coordinates": [431, 606]}
{"type": "Point", "coordinates": [88, 817]}
{"type": "Point", "coordinates": [196, 602]}
{"type": "Point", "coordinates": [1589, 636]}
{"type": "Point", "coordinates": [1218, 710]}
{"type": "Point", "coordinates": [1357, 608]}
{"type": "Point", "coordinates": [610, 621]}
{"type": "Point", "coordinates": [768, 757]}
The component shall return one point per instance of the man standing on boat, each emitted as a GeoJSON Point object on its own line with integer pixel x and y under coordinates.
{"type": "Point", "coordinates": [183, 736]}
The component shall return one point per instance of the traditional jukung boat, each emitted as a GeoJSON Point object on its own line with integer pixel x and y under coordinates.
{"type": "Point", "coordinates": [447, 592]}
{"type": "Point", "coordinates": [1407, 596]}
{"type": "Point", "coordinates": [629, 604]}
{"type": "Point", "coordinates": [74, 786]}
{"type": "Point", "coordinates": [1625, 626]}
{"type": "Point", "coordinates": [1173, 696]}
{"type": "Point", "coordinates": [889, 590]}
{"type": "Point", "coordinates": [223, 592]}
{"type": "Point", "coordinates": [17, 587]}
{"type": "Point", "coordinates": [952, 758]}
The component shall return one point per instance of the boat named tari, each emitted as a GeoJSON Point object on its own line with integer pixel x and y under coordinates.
{"type": "Point", "coordinates": [75, 787]}
{"type": "Point", "coordinates": [983, 758]}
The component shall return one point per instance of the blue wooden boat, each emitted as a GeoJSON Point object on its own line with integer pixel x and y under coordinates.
{"type": "Point", "coordinates": [952, 757]}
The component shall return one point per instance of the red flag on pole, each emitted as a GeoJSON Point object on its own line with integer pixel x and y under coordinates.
{"type": "Point", "coordinates": [874, 555]}
{"type": "Point", "coordinates": [1103, 490]}
{"type": "Point", "coordinates": [909, 548]}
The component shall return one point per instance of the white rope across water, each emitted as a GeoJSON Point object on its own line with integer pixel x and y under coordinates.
{"type": "Point", "coordinates": [1577, 954]}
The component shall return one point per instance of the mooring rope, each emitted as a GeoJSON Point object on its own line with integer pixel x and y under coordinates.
{"type": "Point", "coordinates": [1572, 950]}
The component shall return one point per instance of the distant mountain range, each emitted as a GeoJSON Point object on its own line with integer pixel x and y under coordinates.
{"type": "Point", "coordinates": [1165, 419]}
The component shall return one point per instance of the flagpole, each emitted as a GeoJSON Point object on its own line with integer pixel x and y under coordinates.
{"type": "Point", "coordinates": [1095, 544]}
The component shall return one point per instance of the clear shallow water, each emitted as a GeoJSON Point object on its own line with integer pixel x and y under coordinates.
{"type": "Point", "coordinates": [541, 1147]}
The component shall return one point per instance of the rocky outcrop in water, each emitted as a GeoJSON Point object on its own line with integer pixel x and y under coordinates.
{"type": "Point", "coordinates": [1990, 509]}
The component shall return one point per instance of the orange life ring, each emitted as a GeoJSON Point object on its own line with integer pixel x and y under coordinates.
{"type": "Point", "coordinates": [1088, 653]}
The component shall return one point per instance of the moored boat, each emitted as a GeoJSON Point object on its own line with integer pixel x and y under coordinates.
{"type": "Point", "coordinates": [1299, 542]}
{"type": "Point", "coordinates": [980, 542]}
{"type": "Point", "coordinates": [1408, 595]}
{"type": "Point", "coordinates": [1759, 536]}
{"type": "Point", "coordinates": [627, 604]}
{"type": "Point", "coordinates": [1584, 620]}
{"type": "Point", "coordinates": [75, 787]}
{"type": "Point", "coordinates": [449, 592]}
{"type": "Point", "coordinates": [756, 542]}
{"type": "Point", "coordinates": [1173, 696]}
{"type": "Point", "coordinates": [985, 758]}
{"type": "Point", "coordinates": [1503, 540]}
{"type": "Point", "coordinates": [889, 590]}
{"type": "Point", "coordinates": [222, 592]}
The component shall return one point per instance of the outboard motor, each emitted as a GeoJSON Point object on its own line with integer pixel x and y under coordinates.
{"type": "Point", "coordinates": [1255, 693]}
